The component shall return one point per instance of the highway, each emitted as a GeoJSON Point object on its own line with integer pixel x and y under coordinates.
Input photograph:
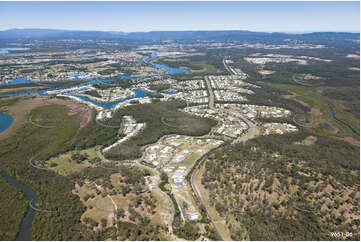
{"type": "Point", "coordinates": [211, 94]}
{"type": "Point", "coordinates": [196, 192]}
{"type": "Point", "coordinates": [251, 134]}
{"type": "Point", "coordinates": [194, 187]}
{"type": "Point", "coordinates": [251, 126]}
{"type": "Point", "coordinates": [227, 68]}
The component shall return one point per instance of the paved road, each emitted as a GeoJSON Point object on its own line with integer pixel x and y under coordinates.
{"type": "Point", "coordinates": [251, 130]}
{"type": "Point", "coordinates": [251, 134]}
{"type": "Point", "coordinates": [101, 156]}
{"type": "Point", "coordinates": [211, 94]}
{"type": "Point", "coordinates": [195, 189]}
{"type": "Point", "coordinates": [227, 68]}
{"type": "Point", "coordinates": [251, 126]}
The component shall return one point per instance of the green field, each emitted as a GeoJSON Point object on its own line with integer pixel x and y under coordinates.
{"type": "Point", "coordinates": [65, 165]}
{"type": "Point", "coordinates": [207, 68]}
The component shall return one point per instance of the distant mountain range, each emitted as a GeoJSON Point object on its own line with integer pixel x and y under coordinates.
{"type": "Point", "coordinates": [52, 34]}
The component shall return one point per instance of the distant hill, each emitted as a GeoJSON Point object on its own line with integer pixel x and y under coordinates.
{"type": "Point", "coordinates": [51, 34]}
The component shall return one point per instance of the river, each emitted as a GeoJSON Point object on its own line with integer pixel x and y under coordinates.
{"type": "Point", "coordinates": [24, 232]}
{"type": "Point", "coordinates": [16, 81]}
{"type": "Point", "coordinates": [4, 51]}
{"type": "Point", "coordinates": [108, 105]}
{"type": "Point", "coordinates": [172, 70]}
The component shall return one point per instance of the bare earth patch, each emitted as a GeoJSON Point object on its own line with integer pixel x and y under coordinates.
{"type": "Point", "coordinates": [316, 112]}
{"type": "Point", "coordinates": [293, 96]}
{"type": "Point", "coordinates": [353, 56]}
{"type": "Point", "coordinates": [349, 140]}
{"type": "Point", "coordinates": [340, 106]}
{"type": "Point", "coordinates": [266, 72]}
{"type": "Point", "coordinates": [310, 140]}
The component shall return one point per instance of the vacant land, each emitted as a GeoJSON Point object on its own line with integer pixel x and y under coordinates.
{"type": "Point", "coordinates": [205, 68]}
{"type": "Point", "coordinates": [72, 161]}
{"type": "Point", "coordinates": [24, 89]}
{"type": "Point", "coordinates": [117, 197]}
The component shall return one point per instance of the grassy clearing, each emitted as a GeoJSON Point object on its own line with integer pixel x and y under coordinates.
{"type": "Point", "coordinates": [65, 165]}
{"type": "Point", "coordinates": [19, 109]}
{"type": "Point", "coordinates": [162, 214]}
{"type": "Point", "coordinates": [205, 68]}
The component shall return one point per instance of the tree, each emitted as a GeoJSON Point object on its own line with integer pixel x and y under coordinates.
{"type": "Point", "coordinates": [120, 213]}
{"type": "Point", "coordinates": [104, 222]}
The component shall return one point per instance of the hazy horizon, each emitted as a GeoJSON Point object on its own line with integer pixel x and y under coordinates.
{"type": "Point", "coordinates": [284, 17]}
{"type": "Point", "coordinates": [128, 32]}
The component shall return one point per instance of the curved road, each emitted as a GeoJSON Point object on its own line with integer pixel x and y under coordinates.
{"type": "Point", "coordinates": [251, 126]}
{"type": "Point", "coordinates": [40, 126]}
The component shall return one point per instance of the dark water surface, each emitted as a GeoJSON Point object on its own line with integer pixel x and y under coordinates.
{"type": "Point", "coordinates": [24, 232]}
{"type": "Point", "coordinates": [5, 121]}
{"type": "Point", "coordinates": [342, 122]}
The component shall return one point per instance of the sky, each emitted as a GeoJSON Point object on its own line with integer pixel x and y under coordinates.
{"type": "Point", "coordinates": [156, 16]}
